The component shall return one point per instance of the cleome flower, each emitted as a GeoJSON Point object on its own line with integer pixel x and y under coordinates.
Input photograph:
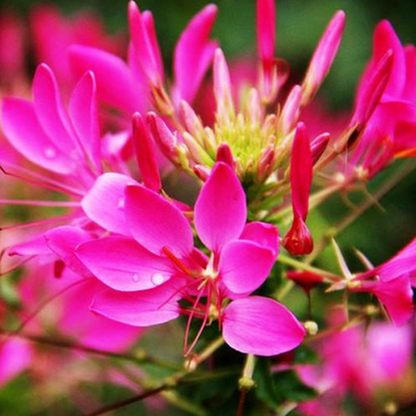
{"type": "Point", "coordinates": [154, 273]}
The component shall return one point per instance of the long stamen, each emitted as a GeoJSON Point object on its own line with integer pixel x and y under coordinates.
{"type": "Point", "coordinates": [177, 262]}
{"type": "Point", "coordinates": [29, 202]}
{"type": "Point", "coordinates": [41, 180]}
{"type": "Point", "coordinates": [188, 324]}
{"type": "Point", "coordinates": [38, 223]}
{"type": "Point", "coordinates": [204, 322]}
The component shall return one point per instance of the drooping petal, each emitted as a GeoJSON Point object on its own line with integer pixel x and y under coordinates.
{"type": "Point", "coordinates": [301, 172]}
{"type": "Point", "coordinates": [156, 223]}
{"type": "Point", "coordinates": [84, 117]}
{"type": "Point", "coordinates": [23, 131]}
{"type": "Point", "coordinates": [220, 210]}
{"type": "Point", "coordinates": [267, 235]}
{"type": "Point", "coordinates": [193, 54]}
{"type": "Point", "coordinates": [261, 326]}
{"type": "Point", "coordinates": [145, 308]}
{"type": "Point", "coordinates": [123, 264]}
{"type": "Point", "coordinates": [145, 154]}
{"type": "Point", "coordinates": [245, 265]}
{"type": "Point", "coordinates": [50, 111]}
{"type": "Point", "coordinates": [116, 85]}
{"type": "Point", "coordinates": [63, 241]}
{"type": "Point", "coordinates": [105, 202]}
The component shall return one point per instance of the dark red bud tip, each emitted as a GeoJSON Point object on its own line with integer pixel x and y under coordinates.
{"type": "Point", "coordinates": [306, 280]}
{"type": "Point", "coordinates": [298, 241]}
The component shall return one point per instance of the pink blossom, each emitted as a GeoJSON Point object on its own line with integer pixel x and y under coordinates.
{"type": "Point", "coordinates": [148, 274]}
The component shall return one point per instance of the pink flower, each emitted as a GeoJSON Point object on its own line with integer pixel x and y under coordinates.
{"type": "Point", "coordinates": [391, 283]}
{"type": "Point", "coordinates": [159, 265]}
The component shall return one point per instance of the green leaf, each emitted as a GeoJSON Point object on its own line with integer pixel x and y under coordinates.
{"type": "Point", "coordinates": [279, 387]}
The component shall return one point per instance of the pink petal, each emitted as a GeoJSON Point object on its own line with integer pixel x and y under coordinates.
{"type": "Point", "coordinates": [146, 47]}
{"type": "Point", "coordinates": [220, 210]}
{"type": "Point", "coordinates": [245, 265]}
{"type": "Point", "coordinates": [50, 111]}
{"type": "Point", "coordinates": [145, 154]}
{"type": "Point", "coordinates": [397, 297]}
{"type": "Point", "coordinates": [116, 84]}
{"type": "Point", "coordinates": [261, 326]}
{"type": "Point", "coordinates": [266, 235]}
{"type": "Point", "coordinates": [405, 139]}
{"type": "Point", "coordinates": [145, 308]}
{"type": "Point", "coordinates": [22, 129]}
{"type": "Point", "coordinates": [84, 117]}
{"type": "Point", "coordinates": [15, 357]}
{"type": "Point", "coordinates": [301, 172]}
{"type": "Point", "coordinates": [402, 263]}
{"type": "Point", "coordinates": [104, 203]}
{"type": "Point", "coordinates": [156, 223]}
{"type": "Point", "coordinates": [34, 247]}
{"type": "Point", "coordinates": [193, 54]}
{"type": "Point", "coordinates": [123, 264]}
{"type": "Point", "coordinates": [63, 241]}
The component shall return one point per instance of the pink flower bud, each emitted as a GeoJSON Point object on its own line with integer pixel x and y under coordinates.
{"type": "Point", "coordinates": [298, 241]}
{"type": "Point", "coordinates": [222, 87]}
{"type": "Point", "coordinates": [165, 139]}
{"type": "Point", "coordinates": [225, 155]}
{"type": "Point", "coordinates": [291, 109]}
{"type": "Point", "coordinates": [372, 91]}
{"type": "Point", "coordinates": [318, 146]}
{"type": "Point", "coordinates": [145, 154]}
{"type": "Point", "coordinates": [323, 56]}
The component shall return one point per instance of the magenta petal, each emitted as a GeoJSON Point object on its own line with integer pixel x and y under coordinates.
{"type": "Point", "coordinates": [266, 28]}
{"type": "Point", "coordinates": [193, 54]}
{"type": "Point", "coordinates": [123, 264]}
{"type": "Point", "coordinates": [35, 247]}
{"type": "Point", "coordinates": [301, 172]}
{"type": "Point", "coordinates": [146, 308]}
{"type": "Point", "coordinates": [104, 203]}
{"type": "Point", "coordinates": [267, 235]}
{"type": "Point", "coordinates": [261, 326]}
{"type": "Point", "coordinates": [409, 92]}
{"type": "Point", "coordinates": [116, 84]}
{"type": "Point", "coordinates": [63, 241]}
{"type": "Point", "coordinates": [23, 131]}
{"type": "Point", "coordinates": [50, 111]}
{"type": "Point", "coordinates": [221, 210]}
{"type": "Point", "coordinates": [245, 265]}
{"type": "Point", "coordinates": [83, 110]}
{"type": "Point", "coordinates": [156, 223]}
{"type": "Point", "coordinates": [397, 297]}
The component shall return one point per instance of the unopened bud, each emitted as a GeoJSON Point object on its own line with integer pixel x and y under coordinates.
{"type": "Point", "coordinates": [311, 327]}
{"type": "Point", "coordinates": [225, 155]}
{"type": "Point", "coordinates": [290, 112]}
{"type": "Point", "coordinates": [298, 241]}
{"type": "Point", "coordinates": [318, 146]}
